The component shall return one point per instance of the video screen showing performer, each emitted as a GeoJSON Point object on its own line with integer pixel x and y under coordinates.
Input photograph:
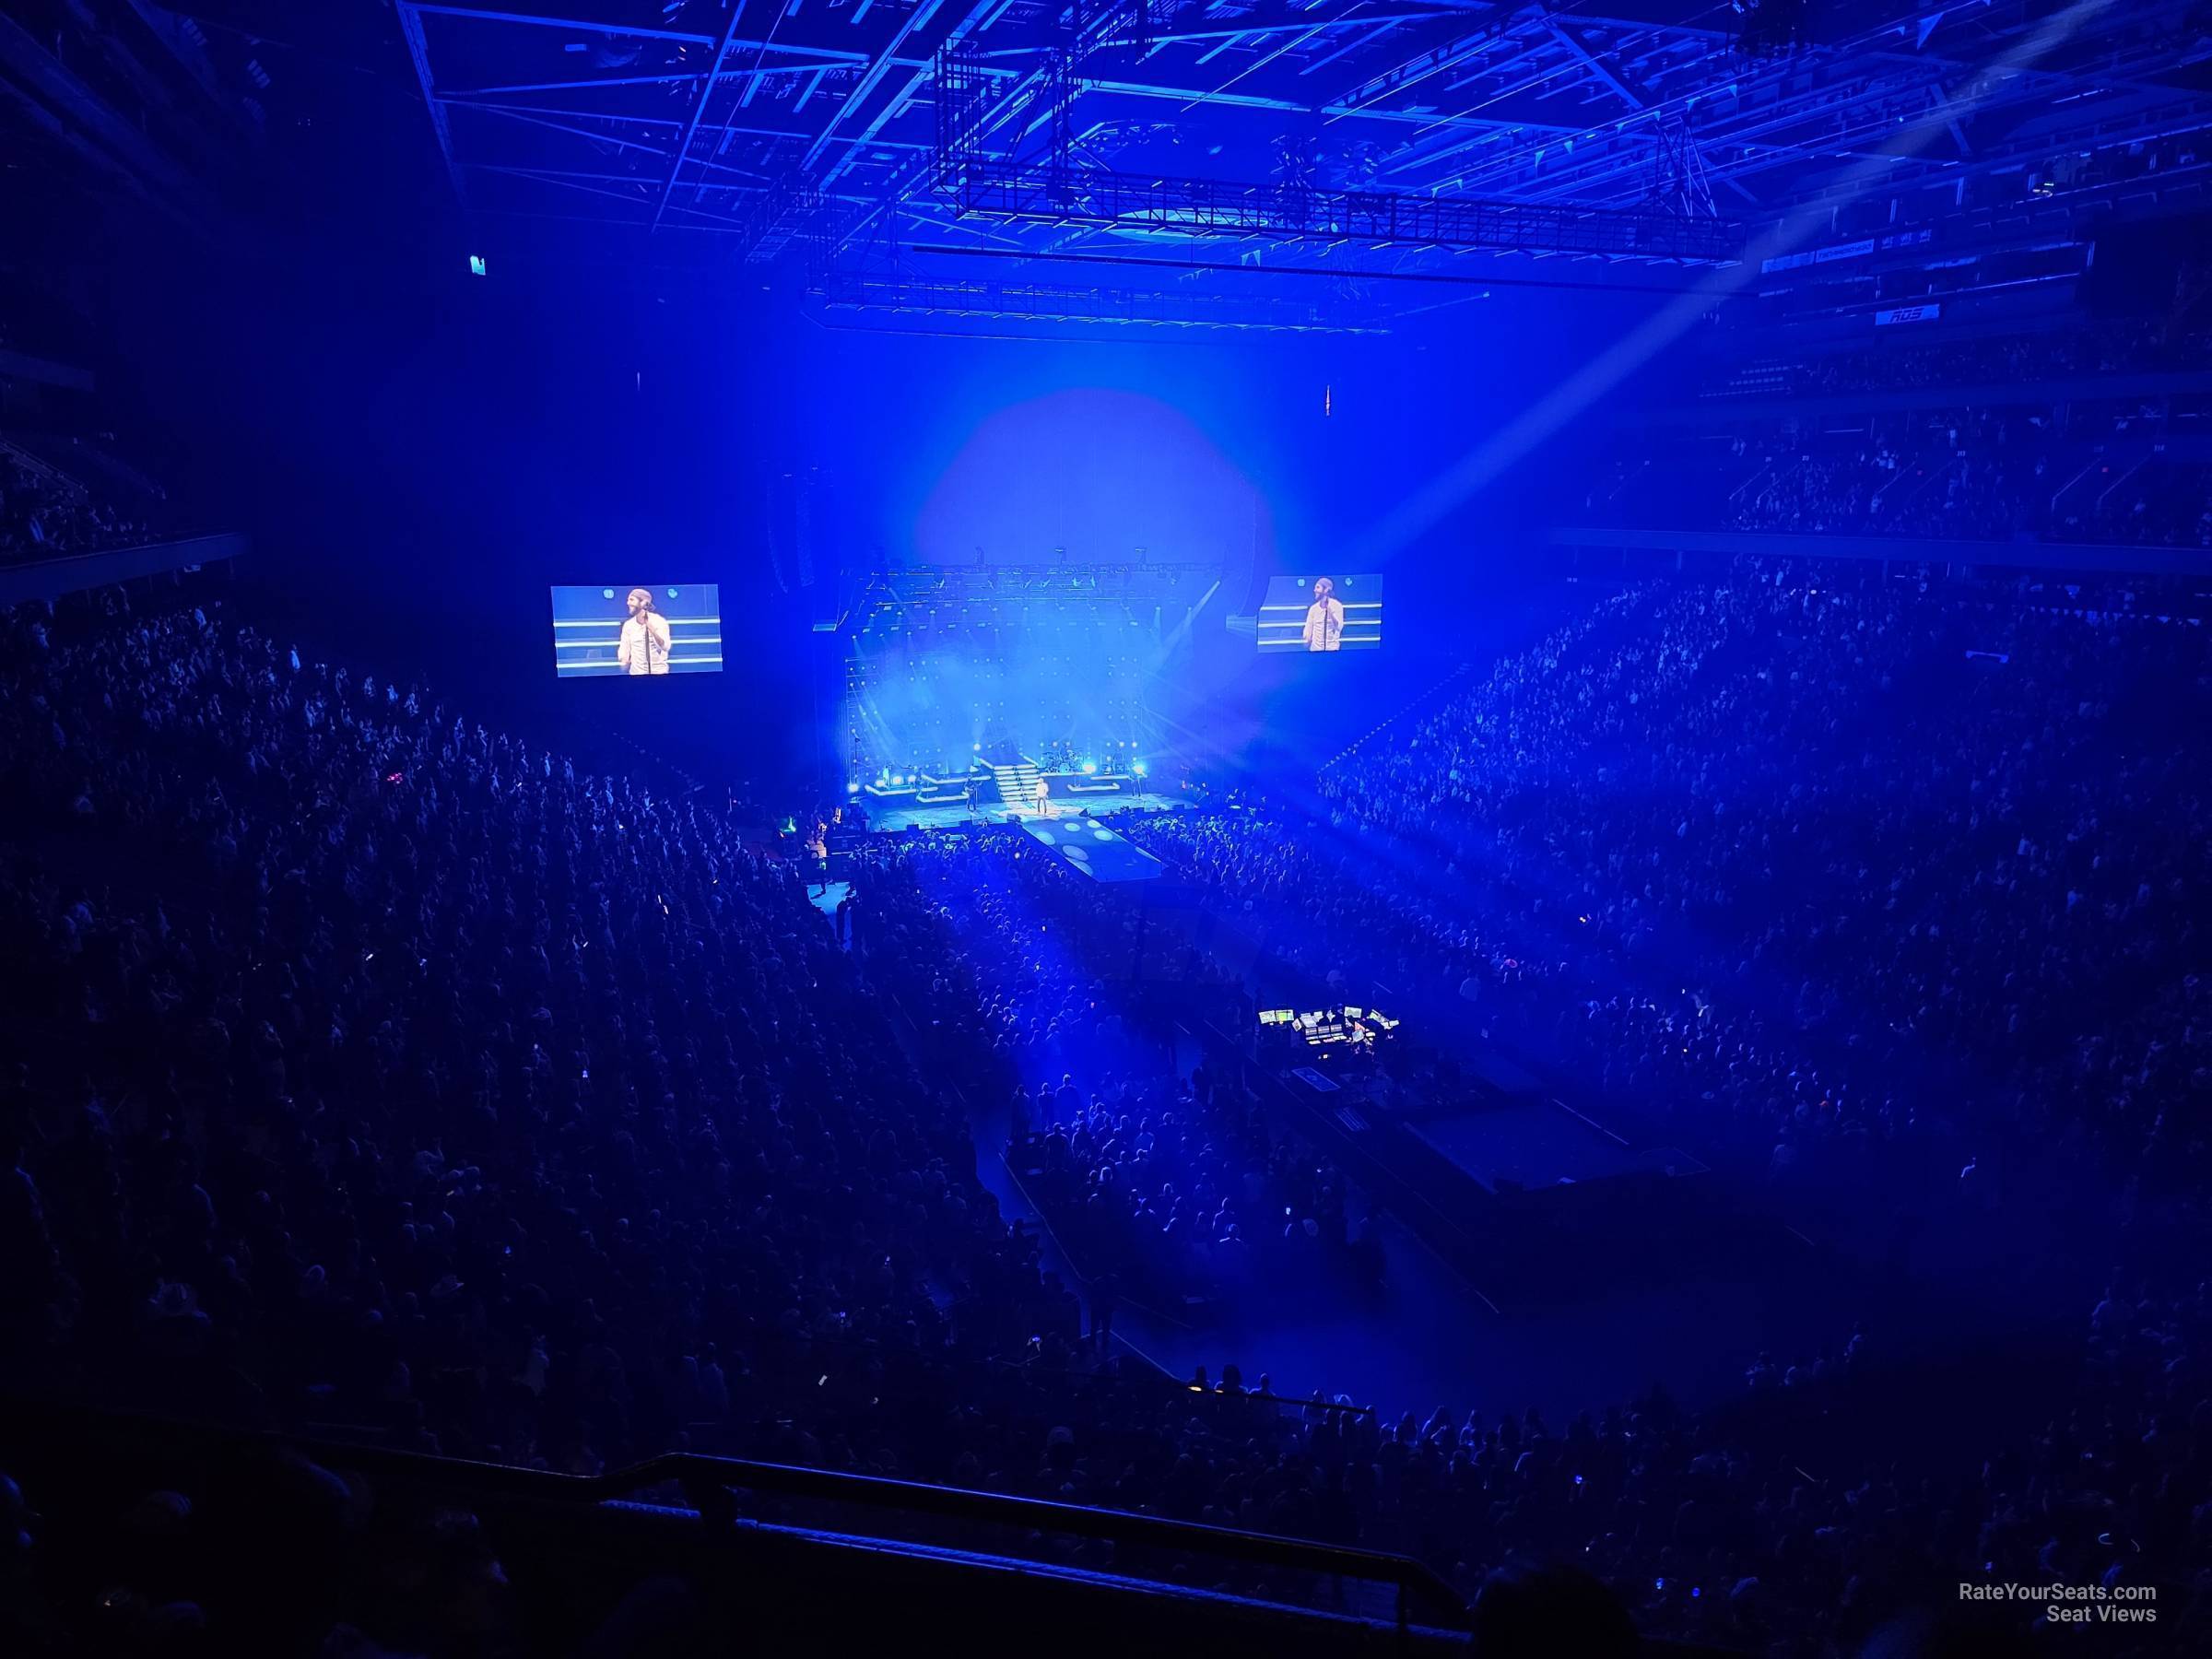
{"type": "Point", "coordinates": [1316, 614]}
{"type": "Point", "coordinates": [646, 639]}
{"type": "Point", "coordinates": [1325, 618]}
{"type": "Point", "coordinates": [637, 631]}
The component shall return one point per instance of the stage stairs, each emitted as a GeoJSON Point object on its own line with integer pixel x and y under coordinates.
{"type": "Point", "coordinates": [1016, 784]}
{"type": "Point", "coordinates": [940, 791]}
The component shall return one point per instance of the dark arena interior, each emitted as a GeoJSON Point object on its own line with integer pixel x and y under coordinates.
{"type": "Point", "coordinates": [1656, 1104]}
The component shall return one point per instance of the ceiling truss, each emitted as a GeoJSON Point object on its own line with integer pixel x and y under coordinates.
{"type": "Point", "coordinates": [747, 127]}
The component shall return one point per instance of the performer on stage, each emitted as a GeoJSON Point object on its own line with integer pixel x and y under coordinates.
{"type": "Point", "coordinates": [817, 849]}
{"type": "Point", "coordinates": [1325, 618]}
{"type": "Point", "coordinates": [646, 641]}
{"type": "Point", "coordinates": [1044, 799]}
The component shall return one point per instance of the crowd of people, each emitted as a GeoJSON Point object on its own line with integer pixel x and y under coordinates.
{"type": "Point", "coordinates": [46, 514]}
{"type": "Point", "coordinates": [381, 1073]}
{"type": "Point", "coordinates": [396, 1071]}
{"type": "Point", "coordinates": [1158, 1174]}
{"type": "Point", "coordinates": [1715, 784]}
{"type": "Point", "coordinates": [1967, 473]}
{"type": "Point", "coordinates": [2091, 465]}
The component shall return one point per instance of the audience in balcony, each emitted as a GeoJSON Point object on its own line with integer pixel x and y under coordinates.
{"type": "Point", "coordinates": [2093, 469]}
{"type": "Point", "coordinates": [45, 515]}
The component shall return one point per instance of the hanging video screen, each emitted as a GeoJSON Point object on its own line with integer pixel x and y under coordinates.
{"type": "Point", "coordinates": [1320, 613]}
{"type": "Point", "coordinates": [604, 631]}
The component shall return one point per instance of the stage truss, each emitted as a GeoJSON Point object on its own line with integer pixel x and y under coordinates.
{"type": "Point", "coordinates": [1370, 137]}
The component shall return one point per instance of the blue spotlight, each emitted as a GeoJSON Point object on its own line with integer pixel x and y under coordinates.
{"type": "Point", "coordinates": [852, 787]}
{"type": "Point", "coordinates": [1138, 769]}
{"type": "Point", "coordinates": [1089, 767]}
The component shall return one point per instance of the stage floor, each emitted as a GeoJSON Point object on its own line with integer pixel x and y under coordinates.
{"type": "Point", "coordinates": [953, 818]}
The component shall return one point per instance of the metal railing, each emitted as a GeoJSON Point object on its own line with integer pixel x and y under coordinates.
{"type": "Point", "coordinates": [710, 1485]}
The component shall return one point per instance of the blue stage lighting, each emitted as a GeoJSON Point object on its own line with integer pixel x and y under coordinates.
{"type": "Point", "coordinates": [853, 787]}
{"type": "Point", "coordinates": [1138, 769]}
{"type": "Point", "coordinates": [1089, 767]}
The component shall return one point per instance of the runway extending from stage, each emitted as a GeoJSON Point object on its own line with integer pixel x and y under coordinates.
{"type": "Point", "coordinates": [957, 814]}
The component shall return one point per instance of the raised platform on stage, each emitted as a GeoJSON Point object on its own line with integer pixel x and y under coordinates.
{"type": "Point", "coordinates": [916, 815]}
{"type": "Point", "coordinates": [1001, 787]}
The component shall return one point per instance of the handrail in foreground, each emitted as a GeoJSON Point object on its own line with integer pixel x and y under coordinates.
{"type": "Point", "coordinates": [696, 1473]}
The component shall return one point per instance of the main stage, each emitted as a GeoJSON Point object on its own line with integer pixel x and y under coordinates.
{"type": "Point", "coordinates": [959, 813]}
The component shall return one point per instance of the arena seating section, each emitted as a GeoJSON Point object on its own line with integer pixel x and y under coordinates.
{"type": "Point", "coordinates": [395, 1079]}
{"type": "Point", "coordinates": [395, 1090]}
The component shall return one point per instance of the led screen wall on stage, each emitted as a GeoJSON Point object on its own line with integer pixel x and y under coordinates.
{"type": "Point", "coordinates": [604, 632]}
{"type": "Point", "coordinates": [1321, 613]}
{"type": "Point", "coordinates": [1064, 681]}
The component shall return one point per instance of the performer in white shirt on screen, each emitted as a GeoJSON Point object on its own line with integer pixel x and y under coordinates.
{"type": "Point", "coordinates": [646, 641]}
{"type": "Point", "coordinates": [1325, 618]}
